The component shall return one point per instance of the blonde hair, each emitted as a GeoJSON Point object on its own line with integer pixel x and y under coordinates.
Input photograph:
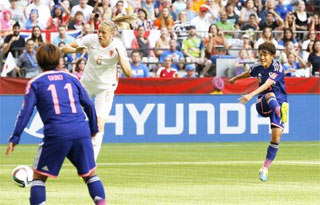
{"type": "Point", "coordinates": [118, 21]}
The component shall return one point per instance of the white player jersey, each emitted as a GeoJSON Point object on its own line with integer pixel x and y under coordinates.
{"type": "Point", "coordinates": [101, 69]}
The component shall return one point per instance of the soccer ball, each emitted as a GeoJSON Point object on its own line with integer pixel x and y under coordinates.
{"type": "Point", "coordinates": [22, 175]}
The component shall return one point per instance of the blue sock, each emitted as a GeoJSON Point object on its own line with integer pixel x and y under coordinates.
{"type": "Point", "coordinates": [271, 154]}
{"type": "Point", "coordinates": [37, 192]}
{"type": "Point", "coordinates": [274, 105]}
{"type": "Point", "coordinates": [96, 190]}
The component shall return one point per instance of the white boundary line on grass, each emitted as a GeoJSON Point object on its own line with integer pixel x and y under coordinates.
{"type": "Point", "coordinates": [312, 163]}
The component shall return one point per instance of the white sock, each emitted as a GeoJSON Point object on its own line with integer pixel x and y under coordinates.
{"type": "Point", "coordinates": [96, 142]}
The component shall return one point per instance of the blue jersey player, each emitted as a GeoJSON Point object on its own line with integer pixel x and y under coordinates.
{"type": "Point", "coordinates": [272, 98]}
{"type": "Point", "coordinates": [60, 99]}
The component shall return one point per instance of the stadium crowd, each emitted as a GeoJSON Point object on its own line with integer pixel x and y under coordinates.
{"type": "Point", "coordinates": [170, 38]}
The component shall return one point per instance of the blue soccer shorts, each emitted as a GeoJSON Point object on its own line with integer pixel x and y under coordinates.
{"type": "Point", "coordinates": [51, 155]}
{"type": "Point", "coordinates": [264, 110]}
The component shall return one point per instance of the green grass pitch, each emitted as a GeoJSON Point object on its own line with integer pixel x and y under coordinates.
{"type": "Point", "coordinates": [180, 173]}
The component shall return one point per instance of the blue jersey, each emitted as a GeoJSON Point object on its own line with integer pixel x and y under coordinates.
{"type": "Point", "coordinates": [60, 99]}
{"type": "Point", "coordinates": [275, 73]}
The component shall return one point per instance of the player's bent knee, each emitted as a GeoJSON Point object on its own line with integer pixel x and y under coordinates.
{"type": "Point", "coordinates": [37, 176]}
{"type": "Point", "coordinates": [93, 173]}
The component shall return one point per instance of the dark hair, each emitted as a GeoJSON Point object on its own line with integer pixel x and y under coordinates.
{"type": "Point", "coordinates": [314, 48]}
{"type": "Point", "coordinates": [252, 15]}
{"type": "Point", "coordinates": [40, 40]}
{"type": "Point", "coordinates": [268, 46]}
{"type": "Point", "coordinates": [48, 56]}
{"type": "Point", "coordinates": [78, 62]}
{"type": "Point", "coordinates": [135, 51]}
{"type": "Point", "coordinates": [211, 27]}
{"type": "Point", "coordinates": [285, 40]}
{"type": "Point", "coordinates": [308, 48]}
{"type": "Point", "coordinates": [144, 11]}
{"type": "Point", "coordinates": [30, 39]}
{"type": "Point", "coordinates": [16, 25]}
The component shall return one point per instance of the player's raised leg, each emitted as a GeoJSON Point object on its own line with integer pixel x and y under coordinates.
{"type": "Point", "coordinates": [38, 189]}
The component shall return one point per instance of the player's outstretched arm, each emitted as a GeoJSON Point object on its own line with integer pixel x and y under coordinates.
{"type": "Point", "coordinates": [73, 48]}
{"type": "Point", "coordinates": [245, 74]}
{"type": "Point", "coordinates": [245, 98]}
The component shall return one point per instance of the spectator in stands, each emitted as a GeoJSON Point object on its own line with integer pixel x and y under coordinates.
{"type": "Point", "coordinates": [148, 5]}
{"type": "Point", "coordinates": [6, 22]}
{"type": "Point", "coordinates": [162, 43]}
{"type": "Point", "coordinates": [181, 27]}
{"type": "Point", "coordinates": [314, 58]}
{"type": "Point", "coordinates": [142, 43]}
{"type": "Point", "coordinates": [33, 20]}
{"type": "Point", "coordinates": [190, 13]}
{"type": "Point", "coordinates": [237, 4]}
{"type": "Point", "coordinates": [105, 9]}
{"type": "Point", "coordinates": [166, 71]}
{"type": "Point", "coordinates": [302, 19]}
{"type": "Point", "coordinates": [315, 25]}
{"type": "Point", "coordinates": [223, 24]}
{"type": "Point", "coordinates": [118, 10]}
{"type": "Point", "coordinates": [95, 19]}
{"type": "Point", "coordinates": [194, 50]}
{"type": "Point", "coordinates": [27, 65]}
{"type": "Point", "coordinates": [290, 22]}
{"type": "Point", "coordinates": [232, 16]}
{"type": "Point", "coordinates": [134, 3]}
{"type": "Point", "coordinates": [251, 26]}
{"type": "Point", "coordinates": [86, 29]}
{"type": "Point", "coordinates": [179, 5]}
{"type": "Point", "coordinates": [266, 37]}
{"type": "Point", "coordinates": [43, 12]}
{"type": "Point", "coordinates": [203, 21]}
{"type": "Point", "coordinates": [17, 12]}
{"type": "Point", "coordinates": [307, 52]}
{"type": "Point", "coordinates": [80, 65]}
{"type": "Point", "coordinates": [240, 64]}
{"type": "Point", "coordinates": [60, 15]}
{"type": "Point", "coordinates": [247, 11]}
{"type": "Point", "coordinates": [216, 43]}
{"type": "Point", "coordinates": [37, 37]}
{"type": "Point", "coordinates": [165, 20]}
{"type": "Point", "coordinates": [305, 44]}
{"type": "Point", "coordinates": [191, 71]}
{"type": "Point", "coordinates": [176, 56]}
{"type": "Point", "coordinates": [288, 36]}
{"type": "Point", "coordinates": [214, 9]}
{"type": "Point", "coordinates": [62, 66]}
{"type": "Point", "coordinates": [77, 22]}
{"type": "Point", "coordinates": [143, 19]}
{"type": "Point", "coordinates": [289, 48]}
{"type": "Point", "coordinates": [13, 43]}
{"type": "Point", "coordinates": [283, 9]}
{"type": "Point", "coordinates": [270, 5]}
{"type": "Point", "coordinates": [273, 20]}
{"type": "Point", "coordinates": [139, 70]}
{"type": "Point", "coordinates": [62, 36]}
{"type": "Point", "coordinates": [294, 63]}
{"type": "Point", "coordinates": [168, 4]}
{"type": "Point", "coordinates": [85, 8]}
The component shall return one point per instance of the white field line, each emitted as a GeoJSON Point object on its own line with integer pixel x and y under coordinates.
{"type": "Point", "coordinates": [312, 163]}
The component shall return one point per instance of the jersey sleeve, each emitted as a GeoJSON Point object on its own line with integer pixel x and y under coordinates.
{"type": "Point", "coordinates": [26, 111]}
{"type": "Point", "coordinates": [88, 107]}
{"type": "Point", "coordinates": [254, 71]}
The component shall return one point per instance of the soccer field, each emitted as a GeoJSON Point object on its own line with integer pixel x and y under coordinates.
{"type": "Point", "coordinates": [181, 173]}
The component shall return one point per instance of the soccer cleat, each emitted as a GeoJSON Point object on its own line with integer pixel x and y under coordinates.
{"type": "Point", "coordinates": [263, 174]}
{"type": "Point", "coordinates": [284, 111]}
